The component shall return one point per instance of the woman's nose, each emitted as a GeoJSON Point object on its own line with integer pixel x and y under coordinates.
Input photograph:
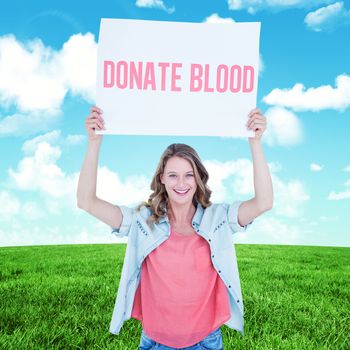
{"type": "Point", "coordinates": [181, 181]}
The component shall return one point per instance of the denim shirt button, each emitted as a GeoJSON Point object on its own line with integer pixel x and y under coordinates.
{"type": "Point", "coordinates": [209, 240]}
{"type": "Point", "coordinates": [229, 286]}
{"type": "Point", "coordinates": [237, 301]}
{"type": "Point", "coordinates": [212, 256]}
{"type": "Point", "coordinates": [219, 271]}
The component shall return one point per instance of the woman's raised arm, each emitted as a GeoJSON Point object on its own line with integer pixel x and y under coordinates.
{"type": "Point", "coordinates": [263, 199]}
{"type": "Point", "coordinates": [86, 191]}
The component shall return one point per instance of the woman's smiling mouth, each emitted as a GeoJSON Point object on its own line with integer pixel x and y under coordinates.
{"type": "Point", "coordinates": [181, 193]}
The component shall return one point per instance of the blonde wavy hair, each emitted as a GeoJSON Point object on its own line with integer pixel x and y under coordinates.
{"type": "Point", "coordinates": [158, 200]}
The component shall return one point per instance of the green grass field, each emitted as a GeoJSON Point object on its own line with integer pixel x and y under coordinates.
{"type": "Point", "coordinates": [62, 297]}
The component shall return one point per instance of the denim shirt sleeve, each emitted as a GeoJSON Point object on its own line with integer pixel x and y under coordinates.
{"type": "Point", "coordinates": [232, 215]}
{"type": "Point", "coordinates": [126, 222]}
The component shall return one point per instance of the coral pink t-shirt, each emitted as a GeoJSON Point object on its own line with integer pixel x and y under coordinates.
{"type": "Point", "coordinates": [180, 298]}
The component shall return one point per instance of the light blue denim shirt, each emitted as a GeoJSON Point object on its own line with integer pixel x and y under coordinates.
{"type": "Point", "coordinates": [216, 224]}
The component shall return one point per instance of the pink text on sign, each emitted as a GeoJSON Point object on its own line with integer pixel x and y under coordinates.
{"type": "Point", "coordinates": [235, 78]}
{"type": "Point", "coordinates": [167, 76]}
{"type": "Point", "coordinates": [141, 75]}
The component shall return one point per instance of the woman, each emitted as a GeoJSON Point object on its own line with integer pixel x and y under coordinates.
{"type": "Point", "coordinates": [180, 243]}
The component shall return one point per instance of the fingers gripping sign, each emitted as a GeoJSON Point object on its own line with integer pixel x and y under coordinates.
{"type": "Point", "coordinates": [94, 121]}
{"type": "Point", "coordinates": [256, 122]}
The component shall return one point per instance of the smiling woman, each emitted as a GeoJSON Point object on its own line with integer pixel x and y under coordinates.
{"type": "Point", "coordinates": [178, 178]}
{"type": "Point", "coordinates": [180, 277]}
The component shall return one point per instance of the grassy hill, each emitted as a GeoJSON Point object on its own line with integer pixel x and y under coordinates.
{"type": "Point", "coordinates": [62, 297]}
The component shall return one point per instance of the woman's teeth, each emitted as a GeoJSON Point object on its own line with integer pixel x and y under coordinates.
{"type": "Point", "coordinates": [181, 193]}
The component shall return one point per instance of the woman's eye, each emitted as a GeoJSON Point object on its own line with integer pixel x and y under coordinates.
{"type": "Point", "coordinates": [172, 175]}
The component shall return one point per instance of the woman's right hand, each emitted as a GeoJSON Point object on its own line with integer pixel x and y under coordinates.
{"type": "Point", "coordinates": [94, 121]}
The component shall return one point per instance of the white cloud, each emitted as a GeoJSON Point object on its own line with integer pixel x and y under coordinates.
{"type": "Point", "coordinates": [283, 128]}
{"type": "Point", "coordinates": [53, 137]}
{"type": "Point", "coordinates": [316, 167]}
{"type": "Point", "coordinates": [28, 124]}
{"type": "Point", "coordinates": [12, 208]}
{"type": "Point", "coordinates": [270, 230]}
{"type": "Point", "coordinates": [328, 17]}
{"type": "Point", "coordinates": [35, 79]}
{"type": "Point", "coordinates": [31, 211]}
{"type": "Point", "coordinates": [253, 6]}
{"type": "Point", "coordinates": [275, 167]}
{"type": "Point", "coordinates": [336, 196]}
{"type": "Point", "coordinates": [289, 197]}
{"type": "Point", "coordinates": [238, 176]}
{"type": "Point", "coordinates": [25, 76]}
{"type": "Point", "coordinates": [86, 231]}
{"type": "Point", "coordinates": [325, 218]}
{"type": "Point", "coordinates": [9, 204]}
{"type": "Point", "coordinates": [31, 145]}
{"type": "Point", "coordinates": [215, 18]}
{"type": "Point", "coordinates": [77, 61]}
{"type": "Point", "coordinates": [155, 4]}
{"type": "Point", "coordinates": [39, 172]}
{"type": "Point", "coordinates": [131, 191]}
{"type": "Point", "coordinates": [313, 99]}
{"type": "Point", "coordinates": [75, 139]}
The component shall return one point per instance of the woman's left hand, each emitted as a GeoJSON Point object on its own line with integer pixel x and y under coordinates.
{"type": "Point", "coordinates": [257, 123]}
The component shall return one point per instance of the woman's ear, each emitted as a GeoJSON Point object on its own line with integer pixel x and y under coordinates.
{"type": "Point", "coordinates": [161, 178]}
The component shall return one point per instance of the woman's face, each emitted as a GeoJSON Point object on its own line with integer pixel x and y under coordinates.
{"type": "Point", "coordinates": [179, 180]}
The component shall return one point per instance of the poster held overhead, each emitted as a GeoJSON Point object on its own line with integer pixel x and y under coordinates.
{"type": "Point", "coordinates": [177, 78]}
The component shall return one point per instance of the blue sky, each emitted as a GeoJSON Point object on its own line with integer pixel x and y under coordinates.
{"type": "Point", "coordinates": [47, 82]}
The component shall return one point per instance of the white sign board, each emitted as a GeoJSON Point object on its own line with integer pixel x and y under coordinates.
{"type": "Point", "coordinates": [177, 78]}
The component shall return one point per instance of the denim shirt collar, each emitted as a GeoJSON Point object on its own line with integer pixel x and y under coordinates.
{"type": "Point", "coordinates": [197, 217]}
